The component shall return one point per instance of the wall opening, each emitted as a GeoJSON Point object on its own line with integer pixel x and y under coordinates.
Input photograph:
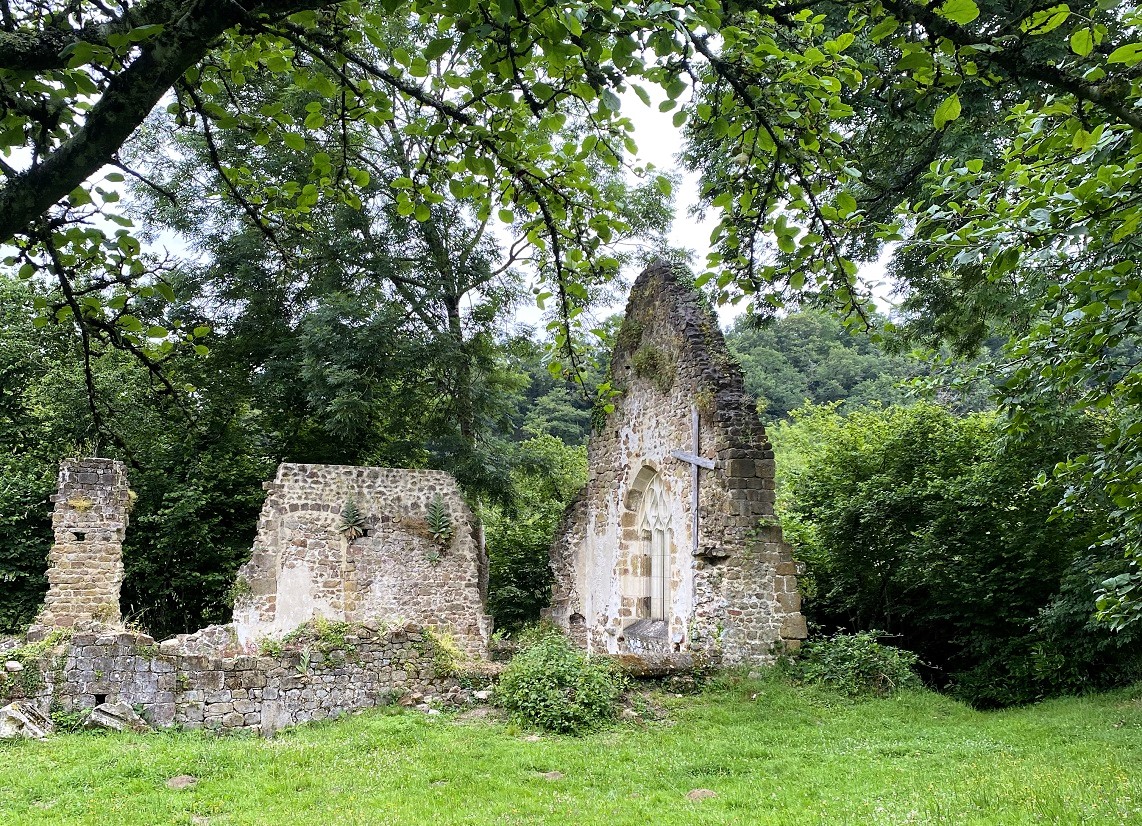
{"type": "Point", "coordinates": [654, 530]}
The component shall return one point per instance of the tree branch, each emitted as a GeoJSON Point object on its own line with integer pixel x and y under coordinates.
{"type": "Point", "coordinates": [129, 97]}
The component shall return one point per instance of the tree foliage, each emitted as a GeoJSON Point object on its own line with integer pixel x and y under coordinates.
{"type": "Point", "coordinates": [809, 356]}
{"type": "Point", "coordinates": [547, 475]}
{"type": "Point", "coordinates": [932, 528]}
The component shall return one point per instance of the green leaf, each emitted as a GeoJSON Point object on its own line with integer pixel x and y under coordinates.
{"type": "Point", "coordinates": [959, 11]}
{"type": "Point", "coordinates": [947, 111]}
{"type": "Point", "coordinates": [846, 204]}
{"type": "Point", "coordinates": [294, 141]}
{"type": "Point", "coordinates": [140, 33]}
{"type": "Point", "coordinates": [506, 215]}
{"type": "Point", "coordinates": [1082, 42]}
{"type": "Point", "coordinates": [1046, 20]}
{"type": "Point", "coordinates": [437, 47]}
{"type": "Point", "coordinates": [884, 28]}
{"type": "Point", "coordinates": [155, 331]}
{"type": "Point", "coordinates": [1128, 54]}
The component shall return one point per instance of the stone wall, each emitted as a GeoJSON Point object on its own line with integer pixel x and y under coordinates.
{"type": "Point", "coordinates": [732, 589]}
{"type": "Point", "coordinates": [85, 564]}
{"type": "Point", "coordinates": [312, 679]}
{"type": "Point", "coordinates": [305, 565]}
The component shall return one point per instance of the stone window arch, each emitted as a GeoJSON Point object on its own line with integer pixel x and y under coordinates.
{"type": "Point", "coordinates": [655, 540]}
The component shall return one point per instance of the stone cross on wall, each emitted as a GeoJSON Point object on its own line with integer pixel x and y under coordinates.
{"type": "Point", "coordinates": [695, 462]}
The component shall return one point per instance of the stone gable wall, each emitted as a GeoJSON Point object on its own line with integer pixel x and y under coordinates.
{"type": "Point", "coordinates": [85, 563]}
{"type": "Point", "coordinates": [303, 565]}
{"type": "Point", "coordinates": [230, 693]}
{"type": "Point", "coordinates": [735, 598]}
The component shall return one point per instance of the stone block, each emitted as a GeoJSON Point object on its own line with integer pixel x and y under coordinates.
{"type": "Point", "coordinates": [793, 627]}
{"type": "Point", "coordinates": [23, 720]}
{"type": "Point", "coordinates": [790, 601]}
{"type": "Point", "coordinates": [116, 716]}
{"type": "Point", "coordinates": [740, 468]}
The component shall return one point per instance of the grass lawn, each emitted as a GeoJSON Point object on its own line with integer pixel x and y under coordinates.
{"type": "Point", "coordinates": [773, 754]}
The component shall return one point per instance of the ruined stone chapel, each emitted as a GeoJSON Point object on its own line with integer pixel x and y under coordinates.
{"type": "Point", "coordinates": [672, 547]}
{"type": "Point", "coordinates": [670, 550]}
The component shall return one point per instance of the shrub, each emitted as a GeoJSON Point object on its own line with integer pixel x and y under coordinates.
{"type": "Point", "coordinates": [856, 664]}
{"type": "Point", "coordinates": [557, 688]}
{"type": "Point", "coordinates": [537, 632]}
{"type": "Point", "coordinates": [933, 528]}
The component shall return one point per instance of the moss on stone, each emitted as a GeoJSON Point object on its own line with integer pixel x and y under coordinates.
{"type": "Point", "coordinates": [657, 367]}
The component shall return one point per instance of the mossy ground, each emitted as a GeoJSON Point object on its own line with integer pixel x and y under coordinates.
{"type": "Point", "coordinates": [774, 754]}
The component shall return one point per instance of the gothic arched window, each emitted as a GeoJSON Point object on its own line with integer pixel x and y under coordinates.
{"type": "Point", "coordinates": [654, 528]}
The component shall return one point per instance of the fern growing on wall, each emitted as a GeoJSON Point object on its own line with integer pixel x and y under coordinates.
{"type": "Point", "coordinates": [352, 522]}
{"type": "Point", "coordinates": [439, 519]}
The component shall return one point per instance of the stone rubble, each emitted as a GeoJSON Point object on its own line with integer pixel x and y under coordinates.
{"type": "Point", "coordinates": [117, 716]}
{"type": "Point", "coordinates": [22, 719]}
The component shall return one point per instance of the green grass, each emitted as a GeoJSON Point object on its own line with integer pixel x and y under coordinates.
{"type": "Point", "coordinates": [772, 753]}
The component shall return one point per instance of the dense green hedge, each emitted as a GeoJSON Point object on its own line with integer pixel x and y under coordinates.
{"type": "Point", "coordinates": [941, 531]}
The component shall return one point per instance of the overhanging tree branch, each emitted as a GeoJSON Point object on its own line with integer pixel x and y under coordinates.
{"type": "Point", "coordinates": [129, 97]}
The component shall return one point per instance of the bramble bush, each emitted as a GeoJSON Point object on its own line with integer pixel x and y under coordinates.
{"type": "Point", "coordinates": [558, 688]}
{"type": "Point", "coordinates": [856, 664]}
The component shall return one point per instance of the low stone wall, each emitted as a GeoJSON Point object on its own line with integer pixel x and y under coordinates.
{"type": "Point", "coordinates": [311, 677]}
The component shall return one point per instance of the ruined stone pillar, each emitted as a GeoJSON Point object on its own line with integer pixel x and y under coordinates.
{"type": "Point", "coordinates": [85, 565]}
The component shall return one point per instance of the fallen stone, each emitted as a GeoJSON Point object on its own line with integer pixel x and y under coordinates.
{"type": "Point", "coordinates": [117, 716]}
{"type": "Point", "coordinates": [482, 696]}
{"type": "Point", "coordinates": [13, 665]}
{"type": "Point", "coordinates": [182, 781]}
{"type": "Point", "coordinates": [433, 711]}
{"type": "Point", "coordinates": [629, 714]}
{"type": "Point", "coordinates": [701, 794]}
{"type": "Point", "coordinates": [22, 719]}
{"type": "Point", "coordinates": [551, 775]}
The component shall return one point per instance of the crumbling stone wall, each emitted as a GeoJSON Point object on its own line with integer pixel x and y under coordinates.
{"type": "Point", "coordinates": [304, 564]}
{"type": "Point", "coordinates": [85, 564]}
{"type": "Point", "coordinates": [732, 589]}
{"type": "Point", "coordinates": [372, 666]}
{"type": "Point", "coordinates": [400, 568]}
